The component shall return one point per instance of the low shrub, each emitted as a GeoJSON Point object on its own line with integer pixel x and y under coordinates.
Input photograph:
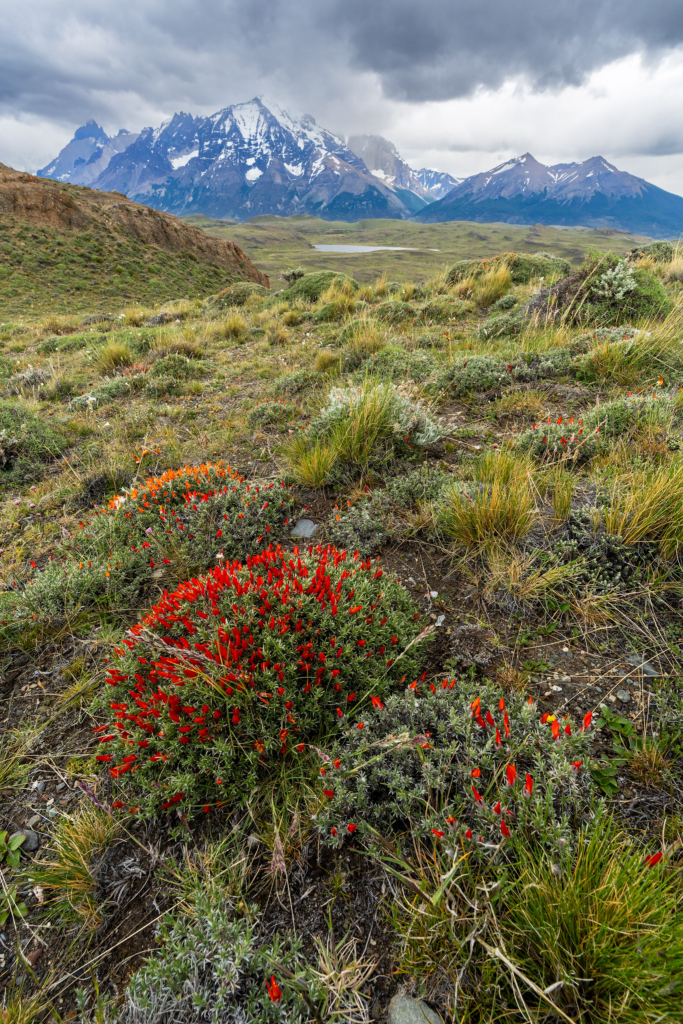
{"type": "Point", "coordinates": [395, 312]}
{"type": "Point", "coordinates": [492, 285]}
{"type": "Point", "coordinates": [27, 442]}
{"type": "Point", "coordinates": [604, 290]}
{"type": "Point", "coordinates": [381, 515]}
{"type": "Point", "coordinates": [504, 303]}
{"type": "Point", "coordinates": [391, 363]}
{"type": "Point", "coordinates": [151, 537]}
{"type": "Point", "coordinates": [444, 310]}
{"type": "Point", "coordinates": [522, 267]}
{"type": "Point", "coordinates": [660, 252]}
{"type": "Point", "coordinates": [472, 373]}
{"type": "Point", "coordinates": [311, 286]}
{"type": "Point", "coordinates": [579, 440]}
{"type": "Point", "coordinates": [435, 760]}
{"type": "Point", "coordinates": [211, 966]}
{"type": "Point", "coordinates": [373, 414]}
{"type": "Point", "coordinates": [274, 413]}
{"type": "Point", "coordinates": [236, 671]}
{"type": "Point", "coordinates": [239, 294]}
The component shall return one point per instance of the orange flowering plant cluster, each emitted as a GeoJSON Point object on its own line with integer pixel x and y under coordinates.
{"type": "Point", "coordinates": [457, 759]}
{"type": "Point", "coordinates": [236, 671]}
{"type": "Point", "coordinates": [176, 525]}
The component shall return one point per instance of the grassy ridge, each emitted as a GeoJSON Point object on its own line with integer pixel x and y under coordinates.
{"type": "Point", "coordinates": [44, 269]}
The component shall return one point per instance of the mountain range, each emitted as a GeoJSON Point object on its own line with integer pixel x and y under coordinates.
{"type": "Point", "coordinates": [251, 159]}
{"type": "Point", "coordinates": [245, 160]}
{"type": "Point", "coordinates": [593, 194]}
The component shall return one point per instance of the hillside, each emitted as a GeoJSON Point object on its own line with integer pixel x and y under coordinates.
{"type": "Point", "coordinates": [70, 247]}
{"type": "Point", "coordinates": [590, 194]}
{"type": "Point", "coordinates": [341, 646]}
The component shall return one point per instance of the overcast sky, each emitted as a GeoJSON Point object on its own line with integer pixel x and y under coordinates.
{"type": "Point", "coordinates": [459, 85]}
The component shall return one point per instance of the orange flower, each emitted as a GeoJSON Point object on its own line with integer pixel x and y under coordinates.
{"type": "Point", "coordinates": [511, 773]}
{"type": "Point", "coordinates": [274, 990]}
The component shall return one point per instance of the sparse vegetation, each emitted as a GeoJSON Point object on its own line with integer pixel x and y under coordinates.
{"type": "Point", "coordinates": [434, 732]}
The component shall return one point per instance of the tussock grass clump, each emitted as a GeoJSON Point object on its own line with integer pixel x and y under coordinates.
{"type": "Point", "coordinates": [66, 876]}
{"type": "Point", "coordinates": [361, 425]}
{"type": "Point", "coordinates": [182, 343]}
{"type": "Point", "coordinates": [603, 923]}
{"type": "Point", "coordinates": [492, 285]}
{"type": "Point", "coordinates": [327, 360]}
{"type": "Point", "coordinates": [112, 357]}
{"type": "Point", "coordinates": [498, 506]}
{"type": "Point", "coordinates": [649, 506]}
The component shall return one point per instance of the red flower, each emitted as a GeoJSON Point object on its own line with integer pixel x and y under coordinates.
{"type": "Point", "coordinates": [504, 829]}
{"type": "Point", "coordinates": [351, 828]}
{"type": "Point", "coordinates": [489, 718]}
{"type": "Point", "coordinates": [376, 702]}
{"type": "Point", "coordinates": [498, 740]}
{"type": "Point", "coordinates": [333, 831]}
{"type": "Point", "coordinates": [103, 757]}
{"type": "Point", "coordinates": [329, 793]}
{"type": "Point", "coordinates": [654, 859]}
{"type": "Point", "coordinates": [528, 787]}
{"type": "Point", "coordinates": [555, 728]}
{"type": "Point", "coordinates": [301, 747]}
{"type": "Point", "coordinates": [475, 773]}
{"type": "Point", "coordinates": [468, 833]}
{"type": "Point", "coordinates": [511, 773]}
{"type": "Point", "coordinates": [274, 990]}
{"type": "Point", "coordinates": [438, 834]}
{"type": "Point", "coordinates": [478, 798]}
{"type": "Point", "coordinates": [587, 719]}
{"type": "Point", "coordinates": [497, 808]}
{"type": "Point", "coordinates": [576, 765]}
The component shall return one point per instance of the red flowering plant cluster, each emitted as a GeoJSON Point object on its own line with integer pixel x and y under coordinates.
{"type": "Point", "coordinates": [152, 537]}
{"type": "Point", "coordinates": [457, 759]}
{"type": "Point", "coordinates": [234, 672]}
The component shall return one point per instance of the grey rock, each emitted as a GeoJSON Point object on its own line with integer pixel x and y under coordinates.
{"type": "Point", "coordinates": [60, 787]}
{"type": "Point", "coordinates": [624, 696]}
{"type": "Point", "coordinates": [639, 663]}
{"type": "Point", "coordinates": [52, 812]}
{"type": "Point", "coordinates": [566, 679]}
{"type": "Point", "coordinates": [39, 786]}
{"type": "Point", "coordinates": [158, 320]}
{"type": "Point", "coordinates": [304, 528]}
{"type": "Point", "coordinates": [31, 842]}
{"type": "Point", "coordinates": [96, 318]}
{"type": "Point", "coordinates": [35, 820]}
{"type": "Point", "coordinates": [406, 1010]}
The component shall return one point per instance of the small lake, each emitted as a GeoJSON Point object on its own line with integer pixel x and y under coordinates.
{"type": "Point", "coordinates": [362, 248]}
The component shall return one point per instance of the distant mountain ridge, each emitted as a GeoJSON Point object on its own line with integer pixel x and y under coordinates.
{"type": "Point", "coordinates": [245, 160]}
{"type": "Point", "coordinates": [251, 158]}
{"type": "Point", "coordinates": [593, 193]}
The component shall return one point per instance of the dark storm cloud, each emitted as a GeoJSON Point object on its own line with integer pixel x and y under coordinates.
{"type": "Point", "coordinates": [88, 59]}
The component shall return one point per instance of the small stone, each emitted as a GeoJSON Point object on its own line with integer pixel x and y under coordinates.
{"type": "Point", "coordinates": [612, 699]}
{"type": "Point", "coordinates": [556, 689]}
{"type": "Point", "coordinates": [566, 679]}
{"type": "Point", "coordinates": [31, 842]}
{"type": "Point", "coordinates": [304, 528]}
{"type": "Point", "coordinates": [433, 594]}
{"type": "Point", "coordinates": [644, 666]}
{"type": "Point", "coordinates": [624, 696]}
{"type": "Point", "coordinates": [376, 1010]}
{"type": "Point", "coordinates": [60, 787]}
{"type": "Point", "coordinates": [52, 812]}
{"type": "Point", "coordinates": [39, 786]}
{"type": "Point", "coordinates": [35, 820]}
{"type": "Point", "coordinates": [406, 1010]}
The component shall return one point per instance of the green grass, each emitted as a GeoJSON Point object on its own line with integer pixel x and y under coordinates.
{"type": "Point", "coordinates": [275, 244]}
{"type": "Point", "coordinates": [98, 270]}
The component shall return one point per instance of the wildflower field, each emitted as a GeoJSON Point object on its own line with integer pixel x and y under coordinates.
{"type": "Point", "coordinates": [341, 635]}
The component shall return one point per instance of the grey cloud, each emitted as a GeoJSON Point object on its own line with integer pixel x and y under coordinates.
{"type": "Point", "coordinates": [138, 57]}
